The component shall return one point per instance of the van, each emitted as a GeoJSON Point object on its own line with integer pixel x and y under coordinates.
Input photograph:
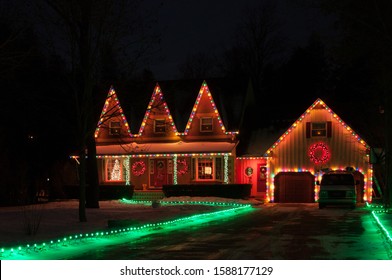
{"type": "Point", "coordinates": [337, 188]}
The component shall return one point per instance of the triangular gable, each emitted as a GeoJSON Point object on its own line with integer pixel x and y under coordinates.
{"type": "Point", "coordinates": [205, 96]}
{"type": "Point", "coordinates": [157, 103]}
{"type": "Point", "coordinates": [111, 111]}
{"type": "Point", "coordinates": [318, 104]}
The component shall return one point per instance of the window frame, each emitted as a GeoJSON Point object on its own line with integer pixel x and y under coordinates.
{"type": "Point", "coordinates": [211, 124]}
{"type": "Point", "coordinates": [107, 171]}
{"type": "Point", "coordinates": [160, 125]}
{"type": "Point", "coordinates": [195, 169]}
{"type": "Point", "coordinates": [111, 128]}
{"type": "Point", "coordinates": [314, 130]}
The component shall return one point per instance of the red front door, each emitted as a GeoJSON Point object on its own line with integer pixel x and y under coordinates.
{"type": "Point", "coordinates": [162, 173]}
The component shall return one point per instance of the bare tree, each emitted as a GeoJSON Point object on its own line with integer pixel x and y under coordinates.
{"type": "Point", "coordinates": [80, 30]}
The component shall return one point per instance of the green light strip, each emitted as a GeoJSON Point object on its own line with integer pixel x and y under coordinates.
{"type": "Point", "coordinates": [21, 251]}
{"type": "Point", "coordinates": [378, 221]}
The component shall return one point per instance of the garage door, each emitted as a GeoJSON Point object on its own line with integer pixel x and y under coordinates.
{"type": "Point", "coordinates": [294, 187]}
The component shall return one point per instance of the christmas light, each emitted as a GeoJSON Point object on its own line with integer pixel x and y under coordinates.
{"type": "Point", "coordinates": [79, 241]}
{"type": "Point", "coordinates": [204, 91]}
{"type": "Point", "coordinates": [295, 124]}
{"type": "Point", "coordinates": [115, 175]}
{"type": "Point", "coordinates": [112, 108]}
{"type": "Point", "coordinates": [138, 168]}
{"type": "Point", "coordinates": [157, 101]}
{"type": "Point", "coordinates": [319, 153]}
{"type": "Point", "coordinates": [226, 169]}
{"type": "Point", "coordinates": [175, 172]}
{"type": "Point", "coordinates": [127, 171]}
{"type": "Point", "coordinates": [170, 155]}
{"type": "Point", "coordinates": [375, 215]}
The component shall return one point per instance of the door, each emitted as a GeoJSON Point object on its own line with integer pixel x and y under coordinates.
{"type": "Point", "coordinates": [294, 187]}
{"type": "Point", "coordinates": [161, 172]}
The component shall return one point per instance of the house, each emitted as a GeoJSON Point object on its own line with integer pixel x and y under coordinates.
{"type": "Point", "coordinates": [318, 141]}
{"type": "Point", "coordinates": [186, 133]}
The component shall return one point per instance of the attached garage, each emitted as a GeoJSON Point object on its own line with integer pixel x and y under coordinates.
{"type": "Point", "coordinates": [294, 187]}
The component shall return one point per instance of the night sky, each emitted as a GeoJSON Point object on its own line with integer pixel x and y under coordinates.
{"type": "Point", "coordinates": [189, 27]}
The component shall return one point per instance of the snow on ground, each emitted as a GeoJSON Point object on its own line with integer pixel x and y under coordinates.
{"type": "Point", "coordinates": [60, 218]}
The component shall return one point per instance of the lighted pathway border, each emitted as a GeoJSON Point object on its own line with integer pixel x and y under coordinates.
{"type": "Point", "coordinates": [55, 248]}
{"type": "Point", "coordinates": [384, 230]}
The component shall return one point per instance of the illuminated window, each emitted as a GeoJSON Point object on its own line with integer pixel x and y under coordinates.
{"type": "Point", "coordinates": [207, 169]}
{"type": "Point", "coordinates": [114, 170]}
{"type": "Point", "coordinates": [206, 124]}
{"type": "Point", "coordinates": [319, 129]}
{"type": "Point", "coordinates": [159, 126]}
{"type": "Point", "coordinates": [114, 128]}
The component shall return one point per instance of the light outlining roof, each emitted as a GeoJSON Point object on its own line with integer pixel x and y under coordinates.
{"type": "Point", "coordinates": [300, 119]}
{"type": "Point", "coordinates": [205, 90]}
{"type": "Point", "coordinates": [109, 110]}
{"type": "Point", "coordinates": [179, 147]}
{"type": "Point", "coordinates": [157, 96]}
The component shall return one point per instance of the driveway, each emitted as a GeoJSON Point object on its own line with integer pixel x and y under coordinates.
{"type": "Point", "coordinates": [272, 231]}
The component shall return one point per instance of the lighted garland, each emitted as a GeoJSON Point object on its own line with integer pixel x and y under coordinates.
{"type": "Point", "coordinates": [319, 153]}
{"type": "Point", "coordinates": [182, 167]}
{"type": "Point", "coordinates": [23, 251]}
{"type": "Point", "coordinates": [138, 168]}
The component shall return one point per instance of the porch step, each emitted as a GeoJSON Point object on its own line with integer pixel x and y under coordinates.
{"type": "Point", "coordinates": [147, 195]}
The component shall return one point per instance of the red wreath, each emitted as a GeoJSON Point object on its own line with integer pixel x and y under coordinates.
{"type": "Point", "coordinates": [319, 153]}
{"type": "Point", "coordinates": [183, 165]}
{"type": "Point", "coordinates": [138, 168]}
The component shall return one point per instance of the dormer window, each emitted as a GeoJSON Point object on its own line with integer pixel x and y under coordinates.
{"type": "Point", "coordinates": [160, 126]}
{"type": "Point", "coordinates": [114, 128]}
{"type": "Point", "coordinates": [206, 124]}
{"type": "Point", "coordinates": [318, 129]}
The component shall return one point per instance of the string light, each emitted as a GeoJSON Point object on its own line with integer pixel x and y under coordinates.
{"type": "Point", "coordinates": [205, 91]}
{"type": "Point", "coordinates": [112, 105]}
{"type": "Point", "coordinates": [226, 169]}
{"type": "Point", "coordinates": [157, 101]}
{"type": "Point", "coordinates": [300, 119]}
{"type": "Point", "coordinates": [138, 168]}
{"type": "Point", "coordinates": [127, 171]}
{"type": "Point", "coordinates": [161, 155]}
{"type": "Point", "coordinates": [175, 171]}
{"type": "Point", "coordinates": [24, 251]}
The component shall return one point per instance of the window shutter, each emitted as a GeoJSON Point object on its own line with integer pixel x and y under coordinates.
{"type": "Point", "coordinates": [329, 129]}
{"type": "Point", "coordinates": [308, 130]}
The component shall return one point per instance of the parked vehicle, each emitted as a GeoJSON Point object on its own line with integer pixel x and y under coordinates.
{"type": "Point", "coordinates": [337, 188]}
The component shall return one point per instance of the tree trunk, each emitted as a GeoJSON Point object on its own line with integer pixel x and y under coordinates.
{"type": "Point", "coordinates": [92, 199]}
{"type": "Point", "coordinates": [82, 185]}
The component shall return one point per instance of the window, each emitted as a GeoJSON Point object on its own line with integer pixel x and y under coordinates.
{"type": "Point", "coordinates": [114, 128]}
{"type": "Point", "coordinates": [160, 126]}
{"type": "Point", "coordinates": [114, 170]}
{"type": "Point", "coordinates": [206, 124]}
{"type": "Point", "coordinates": [207, 169]}
{"type": "Point", "coordinates": [319, 129]}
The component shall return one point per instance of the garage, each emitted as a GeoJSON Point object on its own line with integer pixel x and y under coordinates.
{"type": "Point", "coordinates": [294, 187]}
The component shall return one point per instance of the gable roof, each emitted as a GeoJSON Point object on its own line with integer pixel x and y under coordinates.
{"type": "Point", "coordinates": [157, 101]}
{"type": "Point", "coordinates": [112, 108]}
{"type": "Point", "coordinates": [180, 95]}
{"type": "Point", "coordinates": [317, 104]}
